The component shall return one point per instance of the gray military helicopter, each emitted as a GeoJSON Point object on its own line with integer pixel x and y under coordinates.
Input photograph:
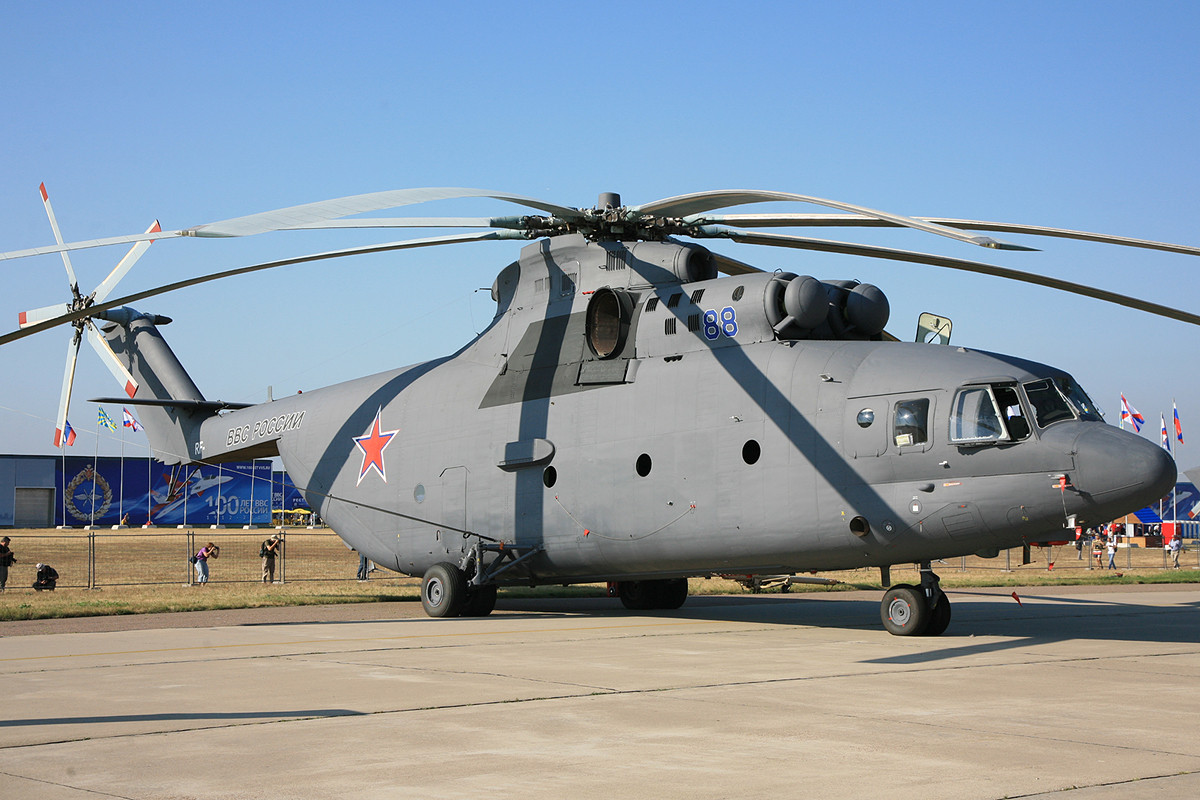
{"type": "Point", "coordinates": [642, 409]}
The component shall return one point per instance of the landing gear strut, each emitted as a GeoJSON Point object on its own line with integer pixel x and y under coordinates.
{"type": "Point", "coordinates": [915, 611]}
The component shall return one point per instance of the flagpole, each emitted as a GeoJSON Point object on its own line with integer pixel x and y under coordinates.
{"type": "Point", "coordinates": [95, 472]}
{"type": "Point", "coordinates": [121, 499]}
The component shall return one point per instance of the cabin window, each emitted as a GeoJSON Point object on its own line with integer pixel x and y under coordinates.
{"type": "Point", "coordinates": [866, 417]}
{"type": "Point", "coordinates": [974, 417]}
{"type": "Point", "coordinates": [1049, 406]}
{"type": "Point", "coordinates": [912, 422]}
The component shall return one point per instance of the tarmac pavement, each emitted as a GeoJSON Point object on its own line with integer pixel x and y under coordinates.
{"type": "Point", "coordinates": [1076, 692]}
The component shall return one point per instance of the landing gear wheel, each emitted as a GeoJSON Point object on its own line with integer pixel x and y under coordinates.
{"type": "Point", "coordinates": [636, 595]}
{"type": "Point", "coordinates": [939, 618]}
{"type": "Point", "coordinates": [480, 601]}
{"type": "Point", "coordinates": [647, 595]}
{"type": "Point", "coordinates": [443, 590]}
{"type": "Point", "coordinates": [671, 594]}
{"type": "Point", "coordinates": [904, 611]}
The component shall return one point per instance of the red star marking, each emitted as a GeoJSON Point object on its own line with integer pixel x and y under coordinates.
{"type": "Point", "coordinates": [372, 446]}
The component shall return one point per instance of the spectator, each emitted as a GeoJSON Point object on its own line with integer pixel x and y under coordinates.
{"type": "Point", "coordinates": [1175, 547]}
{"type": "Point", "coordinates": [47, 577]}
{"type": "Point", "coordinates": [270, 548]}
{"type": "Point", "coordinates": [209, 550]}
{"type": "Point", "coordinates": [1112, 550]}
{"type": "Point", "coordinates": [6, 560]}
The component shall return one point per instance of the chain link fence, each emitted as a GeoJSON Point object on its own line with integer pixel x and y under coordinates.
{"type": "Point", "coordinates": [87, 559]}
{"type": "Point", "coordinates": [131, 557]}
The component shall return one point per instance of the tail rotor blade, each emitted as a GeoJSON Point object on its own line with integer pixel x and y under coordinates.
{"type": "Point", "coordinates": [58, 238]}
{"type": "Point", "coordinates": [108, 284]}
{"type": "Point", "coordinates": [64, 399]}
{"type": "Point", "coordinates": [100, 345]}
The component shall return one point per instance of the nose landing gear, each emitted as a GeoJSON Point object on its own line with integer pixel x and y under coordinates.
{"type": "Point", "coordinates": [908, 610]}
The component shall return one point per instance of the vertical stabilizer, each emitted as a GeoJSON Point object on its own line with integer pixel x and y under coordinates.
{"type": "Point", "coordinates": [173, 430]}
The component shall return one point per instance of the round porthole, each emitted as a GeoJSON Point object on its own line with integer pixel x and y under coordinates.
{"type": "Point", "coordinates": [865, 418]}
{"type": "Point", "coordinates": [419, 493]}
{"type": "Point", "coordinates": [738, 292]}
{"type": "Point", "coordinates": [550, 476]}
{"type": "Point", "coordinates": [643, 465]}
{"type": "Point", "coordinates": [751, 452]}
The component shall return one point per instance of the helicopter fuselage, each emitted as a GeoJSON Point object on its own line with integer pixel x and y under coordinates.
{"type": "Point", "coordinates": [630, 417]}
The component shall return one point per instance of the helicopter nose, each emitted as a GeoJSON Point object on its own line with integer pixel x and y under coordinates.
{"type": "Point", "coordinates": [1120, 470]}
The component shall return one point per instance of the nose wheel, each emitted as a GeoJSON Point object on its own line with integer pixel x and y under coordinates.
{"type": "Point", "coordinates": [923, 610]}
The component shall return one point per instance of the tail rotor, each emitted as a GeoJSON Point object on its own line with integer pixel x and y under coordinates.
{"type": "Point", "coordinates": [79, 302]}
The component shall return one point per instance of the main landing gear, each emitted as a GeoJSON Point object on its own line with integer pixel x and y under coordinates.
{"type": "Point", "coordinates": [647, 595]}
{"type": "Point", "coordinates": [922, 610]}
{"type": "Point", "coordinates": [445, 592]}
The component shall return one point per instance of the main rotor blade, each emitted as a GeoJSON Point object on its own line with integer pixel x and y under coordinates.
{"type": "Point", "coordinates": [58, 238]}
{"type": "Point", "coordinates": [699, 202]}
{"type": "Point", "coordinates": [100, 345]}
{"type": "Point", "coordinates": [97, 309]}
{"type": "Point", "coordinates": [302, 215]}
{"type": "Point", "coordinates": [859, 221]}
{"type": "Point", "coordinates": [801, 243]}
{"type": "Point", "coordinates": [108, 284]}
{"type": "Point", "coordinates": [64, 398]}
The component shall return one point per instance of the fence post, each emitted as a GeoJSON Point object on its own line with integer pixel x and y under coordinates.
{"type": "Point", "coordinates": [91, 579]}
{"type": "Point", "coordinates": [191, 548]}
{"type": "Point", "coordinates": [283, 557]}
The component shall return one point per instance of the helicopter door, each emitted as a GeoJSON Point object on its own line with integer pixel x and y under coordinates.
{"type": "Point", "coordinates": [454, 500]}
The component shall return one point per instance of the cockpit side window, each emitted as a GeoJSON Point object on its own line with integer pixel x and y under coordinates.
{"type": "Point", "coordinates": [1049, 406]}
{"type": "Point", "coordinates": [912, 422]}
{"type": "Point", "coordinates": [1078, 398]}
{"type": "Point", "coordinates": [974, 417]}
{"type": "Point", "coordinates": [1010, 408]}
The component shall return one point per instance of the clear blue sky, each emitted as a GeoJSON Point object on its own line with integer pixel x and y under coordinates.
{"type": "Point", "coordinates": [1076, 115]}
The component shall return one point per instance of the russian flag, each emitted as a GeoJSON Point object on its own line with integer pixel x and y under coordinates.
{"type": "Point", "coordinates": [68, 433]}
{"type": "Point", "coordinates": [1178, 427]}
{"type": "Point", "coordinates": [1130, 414]}
{"type": "Point", "coordinates": [129, 421]}
{"type": "Point", "coordinates": [1166, 440]}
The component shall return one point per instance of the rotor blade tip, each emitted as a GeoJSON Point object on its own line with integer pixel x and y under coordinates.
{"type": "Point", "coordinates": [42, 189]}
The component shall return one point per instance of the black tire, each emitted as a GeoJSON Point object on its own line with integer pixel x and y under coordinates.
{"type": "Point", "coordinates": [904, 611]}
{"type": "Point", "coordinates": [481, 600]}
{"type": "Point", "coordinates": [636, 595]}
{"type": "Point", "coordinates": [671, 594]}
{"type": "Point", "coordinates": [939, 618]}
{"type": "Point", "coordinates": [443, 590]}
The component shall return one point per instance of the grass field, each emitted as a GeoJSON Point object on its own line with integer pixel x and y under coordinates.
{"type": "Point", "coordinates": [145, 571]}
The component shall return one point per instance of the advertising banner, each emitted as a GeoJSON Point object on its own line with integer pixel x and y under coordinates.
{"type": "Point", "coordinates": [134, 491]}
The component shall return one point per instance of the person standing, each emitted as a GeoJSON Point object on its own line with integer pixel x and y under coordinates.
{"type": "Point", "coordinates": [209, 550]}
{"type": "Point", "coordinates": [270, 548]}
{"type": "Point", "coordinates": [1175, 547]}
{"type": "Point", "coordinates": [6, 560]}
{"type": "Point", "coordinates": [1112, 550]}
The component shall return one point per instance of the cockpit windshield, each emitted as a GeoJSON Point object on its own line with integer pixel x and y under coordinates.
{"type": "Point", "coordinates": [1049, 405]}
{"type": "Point", "coordinates": [1078, 399]}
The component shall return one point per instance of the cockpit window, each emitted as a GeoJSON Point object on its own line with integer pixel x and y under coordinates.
{"type": "Point", "coordinates": [1010, 409]}
{"type": "Point", "coordinates": [1078, 399]}
{"type": "Point", "coordinates": [1049, 406]}
{"type": "Point", "coordinates": [974, 418]}
{"type": "Point", "coordinates": [912, 422]}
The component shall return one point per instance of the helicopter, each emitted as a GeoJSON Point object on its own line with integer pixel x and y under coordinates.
{"type": "Point", "coordinates": [642, 409]}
